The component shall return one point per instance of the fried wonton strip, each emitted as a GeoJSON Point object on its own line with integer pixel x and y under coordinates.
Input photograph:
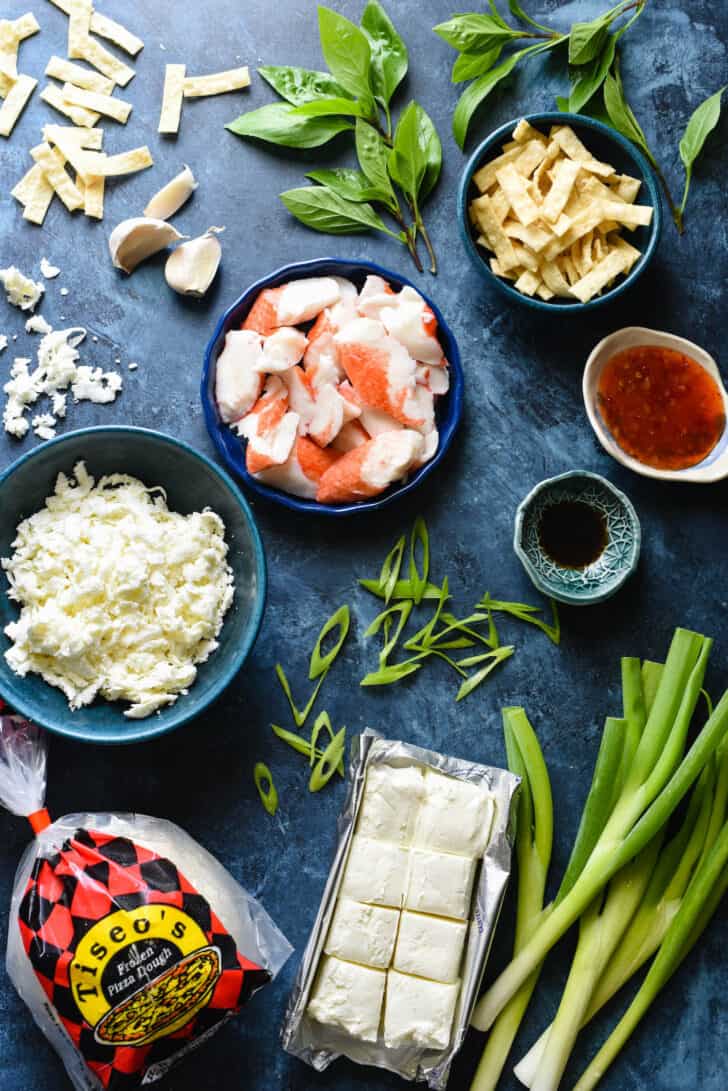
{"type": "Point", "coordinates": [612, 265]}
{"type": "Point", "coordinates": [626, 188]}
{"type": "Point", "coordinates": [485, 178]}
{"type": "Point", "coordinates": [531, 157]}
{"type": "Point", "coordinates": [526, 257]}
{"type": "Point", "coordinates": [115, 108]}
{"type": "Point", "coordinates": [586, 221]}
{"type": "Point", "coordinates": [15, 103]}
{"type": "Point", "coordinates": [524, 132]}
{"type": "Point", "coordinates": [128, 162]}
{"type": "Point", "coordinates": [544, 293]}
{"type": "Point", "coordinates": [53, 164]}
{"type": "Point", "coordinates": [534, 235]}
{"type": "Point", "coordinates": [498, 241]}
{"type": "Point", "coordinates": [567, 139]}
{"type": "Point", "coordinates": [79, 26]}
{"type": "Point", "coordinates": [564, 177]}
{"type": "Point", "coordinates": [68, 72]}
{"type": "Point", "coordinates": [92, 51]}
{"type": "Point", "coordinates": [629, 215]}
{"type": "Point", "coordinates": [514, 186]}
{"type": "Point", "coordinates": [217, 83]}
{"type": "Point", "coordinates": [172, 96]}
{"type": "Point", "coordinates": [92, 139]}
{"type": "Point", "coordinates": [116, 33]}
{"type": "Point", "coordinates": [94, 196]}
{"type": "Point", "coordinates": [527, 283]}
{"type": "Point", "coordinates": [25, 26]}
{"type": "Point", "coordinates": [78, 115]}
{"type": "Point", "coordinates": [509, 274]}
{"type": "Point", "coordinates": [85, 163]}
{"type": "Point", "coordinates": [562, 225]}
{"type": "Point", "coordinates": [554, 279]}
{"type": "Point", "coordinates": [24, 189]}
{"type": "Point", "coordinates": [8, 50]}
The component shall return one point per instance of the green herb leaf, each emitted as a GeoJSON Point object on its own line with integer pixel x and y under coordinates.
{"type": "Point", "coordinates": [418, 579]}
{"type": "Point", "coordinates": [299, 85]}
{"type": "Point", "coordinates": [391, 568]}
{"type": "Point", "coordinates": [278, 124]}
{"type": "Point", "coordinates": [266, 787]}
{"type": "Point", "coordinates": [586, 40]}
{"type": "Point", "coordinates": [323, 210]}
{"type": "Point", "coordinates": [496, 657]}
{"type": "Point", "coordinates": [699, 128]}
{"type": "Point", "coordinates": [469, 66]}
{"type": "Point", "coordinates": [330, 107]}
{"type": "Point", "coordinates": [416, 158]}
{"type": "Point", "coordinates": [432, 151]}
{"type": "Point", "coordinates": [477, 93]}
{"type": "Point", "coordinates": [352, 185]}
{"type": "Point", "coordinates": [516, 9]}
{"type": "Point", "coordinates": [620, 112]}
{"type": "Point", "coordinates": [346, 51]}
{"type": "Point", "coordinates": [472, 32]}
{"type": "Point", "coordinates": [373, 154]}
{"type": "Point", "coordinates": [588, 79]}
{"type": "Point", "coordinates": [320, 663]}
{"type": "Point", "coordinates": [327, 764]}
{"type": "Point", "coordinates": [388, 52]}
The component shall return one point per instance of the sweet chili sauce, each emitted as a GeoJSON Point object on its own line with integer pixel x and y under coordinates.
{"type": "Point", "coordinates": [573, 533]}
{"type": "Point", "coordinates": [661, 406]}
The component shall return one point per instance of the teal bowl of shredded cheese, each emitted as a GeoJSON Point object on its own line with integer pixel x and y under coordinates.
{"type": "Point", "coordinates": [132, 587]}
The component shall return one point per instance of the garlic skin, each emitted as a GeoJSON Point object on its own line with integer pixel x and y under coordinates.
{"type": "Point", "coordinates": [171, 197]}
{"type": "Point", "coordinates": [135, 240]}
{"type": "Point", "coordinates": [191, 268]}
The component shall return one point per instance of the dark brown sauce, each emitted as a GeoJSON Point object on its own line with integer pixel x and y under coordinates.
{"type": "Point", "coordinates": [573, 533]}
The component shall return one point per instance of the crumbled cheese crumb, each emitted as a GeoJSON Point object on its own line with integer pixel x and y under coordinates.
{"type": "Point", "coordinates": [64, 291]}
{"type": "Point", "coordinates": [37, 324]}
{"type": "Point", "coordinates": [119, 597]}
{"type": "Point", "coordinates": [133, 365]}
{"type": "Point", "coordinates": [21, 290]}
{"type": "Point", "coordinates": [57, 369]}
{"type": "Point", "coordinates": [43, 425]}
{"type": "Point", "coordinates": [47, 270]}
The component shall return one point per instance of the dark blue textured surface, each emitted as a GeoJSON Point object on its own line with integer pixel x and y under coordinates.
{"type": "Point", "coordinates": [524, 421]}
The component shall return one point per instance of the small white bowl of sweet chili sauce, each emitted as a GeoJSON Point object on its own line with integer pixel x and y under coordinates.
{"type": "Point", "coordinates": [657, 404]}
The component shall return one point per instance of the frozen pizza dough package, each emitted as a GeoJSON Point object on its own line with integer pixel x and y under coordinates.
{"type": "Point", "coordinates": [130, 944]}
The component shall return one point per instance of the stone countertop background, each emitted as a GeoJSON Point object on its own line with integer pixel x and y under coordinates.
{"type": "Point", "coordinates": [524, 421]}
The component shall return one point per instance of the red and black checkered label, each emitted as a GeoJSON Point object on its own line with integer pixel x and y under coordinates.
{"type": "Point", "coordinates": [133, 959]}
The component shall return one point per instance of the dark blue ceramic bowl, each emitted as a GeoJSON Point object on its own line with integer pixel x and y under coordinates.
{"type": "Point", "coordinates": [191, 482]}
{"type": "Point", "coordinates": [232, 449]}
{"type": "Point", "coordinates": [605, 144]}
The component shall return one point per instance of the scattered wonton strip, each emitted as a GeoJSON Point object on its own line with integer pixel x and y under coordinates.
{"type": "Point", "coordinates": [174, 81]}
{"type": "Point", "coordinates": [217, 83]}
{"type": "Point", "coordinates": [77, 114]}
{"type": "Point", "coordinates": [107, 28]}
{"type": "Point", "coordinates": [100, 104]}
{"type": "Point", "coordinates": [92, 51]}
{"type": "Point", "coordinates": [68, 72]}
{"type": "Point", "coordinates": [15, 103]}
{"type": "Point", "coordinates": [53, 164]}
{"type": "Point", "coordinates": [94, 196]}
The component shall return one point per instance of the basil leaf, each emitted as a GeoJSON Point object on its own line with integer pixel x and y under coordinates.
{"type": "Point", "coordinates": [277, 124]}
{"type": "Point", "coordinates": [497, 15]}
{"type": "Point", "coordinates": [388, 52]}
{"type": "Point", "coordinates": [515, 9]}
{"type": "Point", "coordinates": [475, 94]}
{"type": "Point", "coordinates": [352, 185]}
{"type": "Point", "coordinates": [586, 40]}
{"type": "Point", "coordinates": [469, 66]}
{"type": "Point", "coordinates": [299, 85]}
{"type": "Point", "coordinates": [473, 32]}
{"type": "Point", "coordinates": [588, 79]}
{"type": "Point", "coordinates": [320, 662]}
{"type": "Point", "coordinates": [266, 787]}
{"type": "Point", "coordinates": [346, 51]}
{"type": "Point", "coordinates": [323, 210]}
{"type": "Point", "coordinates": [330, 107]}
{"type": "Point", "coordinates": [699, 127]}
{"type": "Point", "coordinates": [416, 157]}
{"type": "Point", "coordinates": [373, 154]}
{"type": "Point", "coordinates": [620, 112]}
{"type": "Point", "coordinates": [432, 150]}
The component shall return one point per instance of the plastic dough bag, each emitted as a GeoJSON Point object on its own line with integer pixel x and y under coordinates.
{"type": "Point", "coordinates": [129, 943]}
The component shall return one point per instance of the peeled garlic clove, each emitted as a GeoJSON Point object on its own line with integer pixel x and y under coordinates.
{"type": "Point", "coordinates": [132, 241]}
{"type": "Point", "coordinates": [172, 196]}
{"type": "Point", "coordinates": [191, 268]}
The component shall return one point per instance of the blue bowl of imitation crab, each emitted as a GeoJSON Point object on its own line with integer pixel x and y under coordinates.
{"type": "Point", "coordinates": [332, 387]}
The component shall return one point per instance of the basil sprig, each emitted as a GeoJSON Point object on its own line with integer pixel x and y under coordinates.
{"type": "Point", "coordinates": [398, 169]}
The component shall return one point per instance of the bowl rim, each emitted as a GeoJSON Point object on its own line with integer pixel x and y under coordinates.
{"type": "Point", "coordinates": [714, 467]}
{"type": "Point", "coordinates": [296, 270]}
{"type": "Point", "coordinates": [556, 117]}
{"type": "Point", "coordinates": [567, 597]}
{"type": "Point", "coordinates": [82, 734]}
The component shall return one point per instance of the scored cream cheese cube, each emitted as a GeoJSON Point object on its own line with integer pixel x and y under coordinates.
{"type": "Point", "coordinates": [455, 816]}
{"type": "Point", "coordinates": [418, 1012]}
{"type": "Point", "coordinates": [376, 872]}
{"type": "Point", "coordinates": [348, 996]}
{"type": "Point", "coordinates": [430, 946]}
{"type": "Point", "coordinates": [391, 800]}
{"type": "Point", "coordinates": [440, 883]}
{"type": "Point", "coordinates": [362, 933]}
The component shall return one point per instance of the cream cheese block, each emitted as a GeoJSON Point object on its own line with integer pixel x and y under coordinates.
{"type": "Point", "coordinates": [418, 1012]}
{"type": "Point", "coordinates": [440, 883]}
{"type": "Point", "coordinates": [455, 816]}
{"type": "Point", "coordinates": [362, 933]}
{"type": "Point", "coordinates": [390, 803]}
{"type": "Point", "coordinates": [348, 996]}
{"type": "Point", "coordinates": [376, 872]}
{"type": "Point", "coordinates": [430, 947]}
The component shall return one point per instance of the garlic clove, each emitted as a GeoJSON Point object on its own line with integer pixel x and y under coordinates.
{"type": "Point", "coordinates": [191, 268]}
{"type": "Point", "coordinates": [132, 241]}
{"type": "Point", "coordinates": [171, 197]}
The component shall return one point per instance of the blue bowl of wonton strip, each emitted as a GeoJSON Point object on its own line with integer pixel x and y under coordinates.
{"type": "Point", "coordinates": [604, 144]}
{"type": "Point", "coordinates": [191, 482]}
{"type": "Point", "coordinates": [231, 448]}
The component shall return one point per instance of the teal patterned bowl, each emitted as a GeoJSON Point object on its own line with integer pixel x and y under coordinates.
{"type": "Point", "coordinates": [603, 577]}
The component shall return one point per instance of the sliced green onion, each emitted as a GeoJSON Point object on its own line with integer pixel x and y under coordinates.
{"type": "Point", "coordinates": [391, 568]}
{"type": "Point", "coordinates": [393, 672]}
{"type": "Point", "coordinates": [321, 723]}
{"type": "Point", "coordinates": [525, 612]}
{"type": "Point", "coordinates": [418, 578]}
{"type": "Point", "coordinates": [268, 794]}
{"type": "Point", "coordinates": [301, 746]}
{"type": "Point", "coordinates": [326, 765]}
{"type": "Point", "coordinates": [496, 657]}
{"type": "Point", "coordinates": [299, 715]}
{"type": "Point", "coordinates": [321, 663]}
{"type": "Point", "coordinates": [402, 590]}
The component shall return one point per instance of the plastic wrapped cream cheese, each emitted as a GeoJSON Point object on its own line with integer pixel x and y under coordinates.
{"type": "Point", "coordinates": [119, 596]}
